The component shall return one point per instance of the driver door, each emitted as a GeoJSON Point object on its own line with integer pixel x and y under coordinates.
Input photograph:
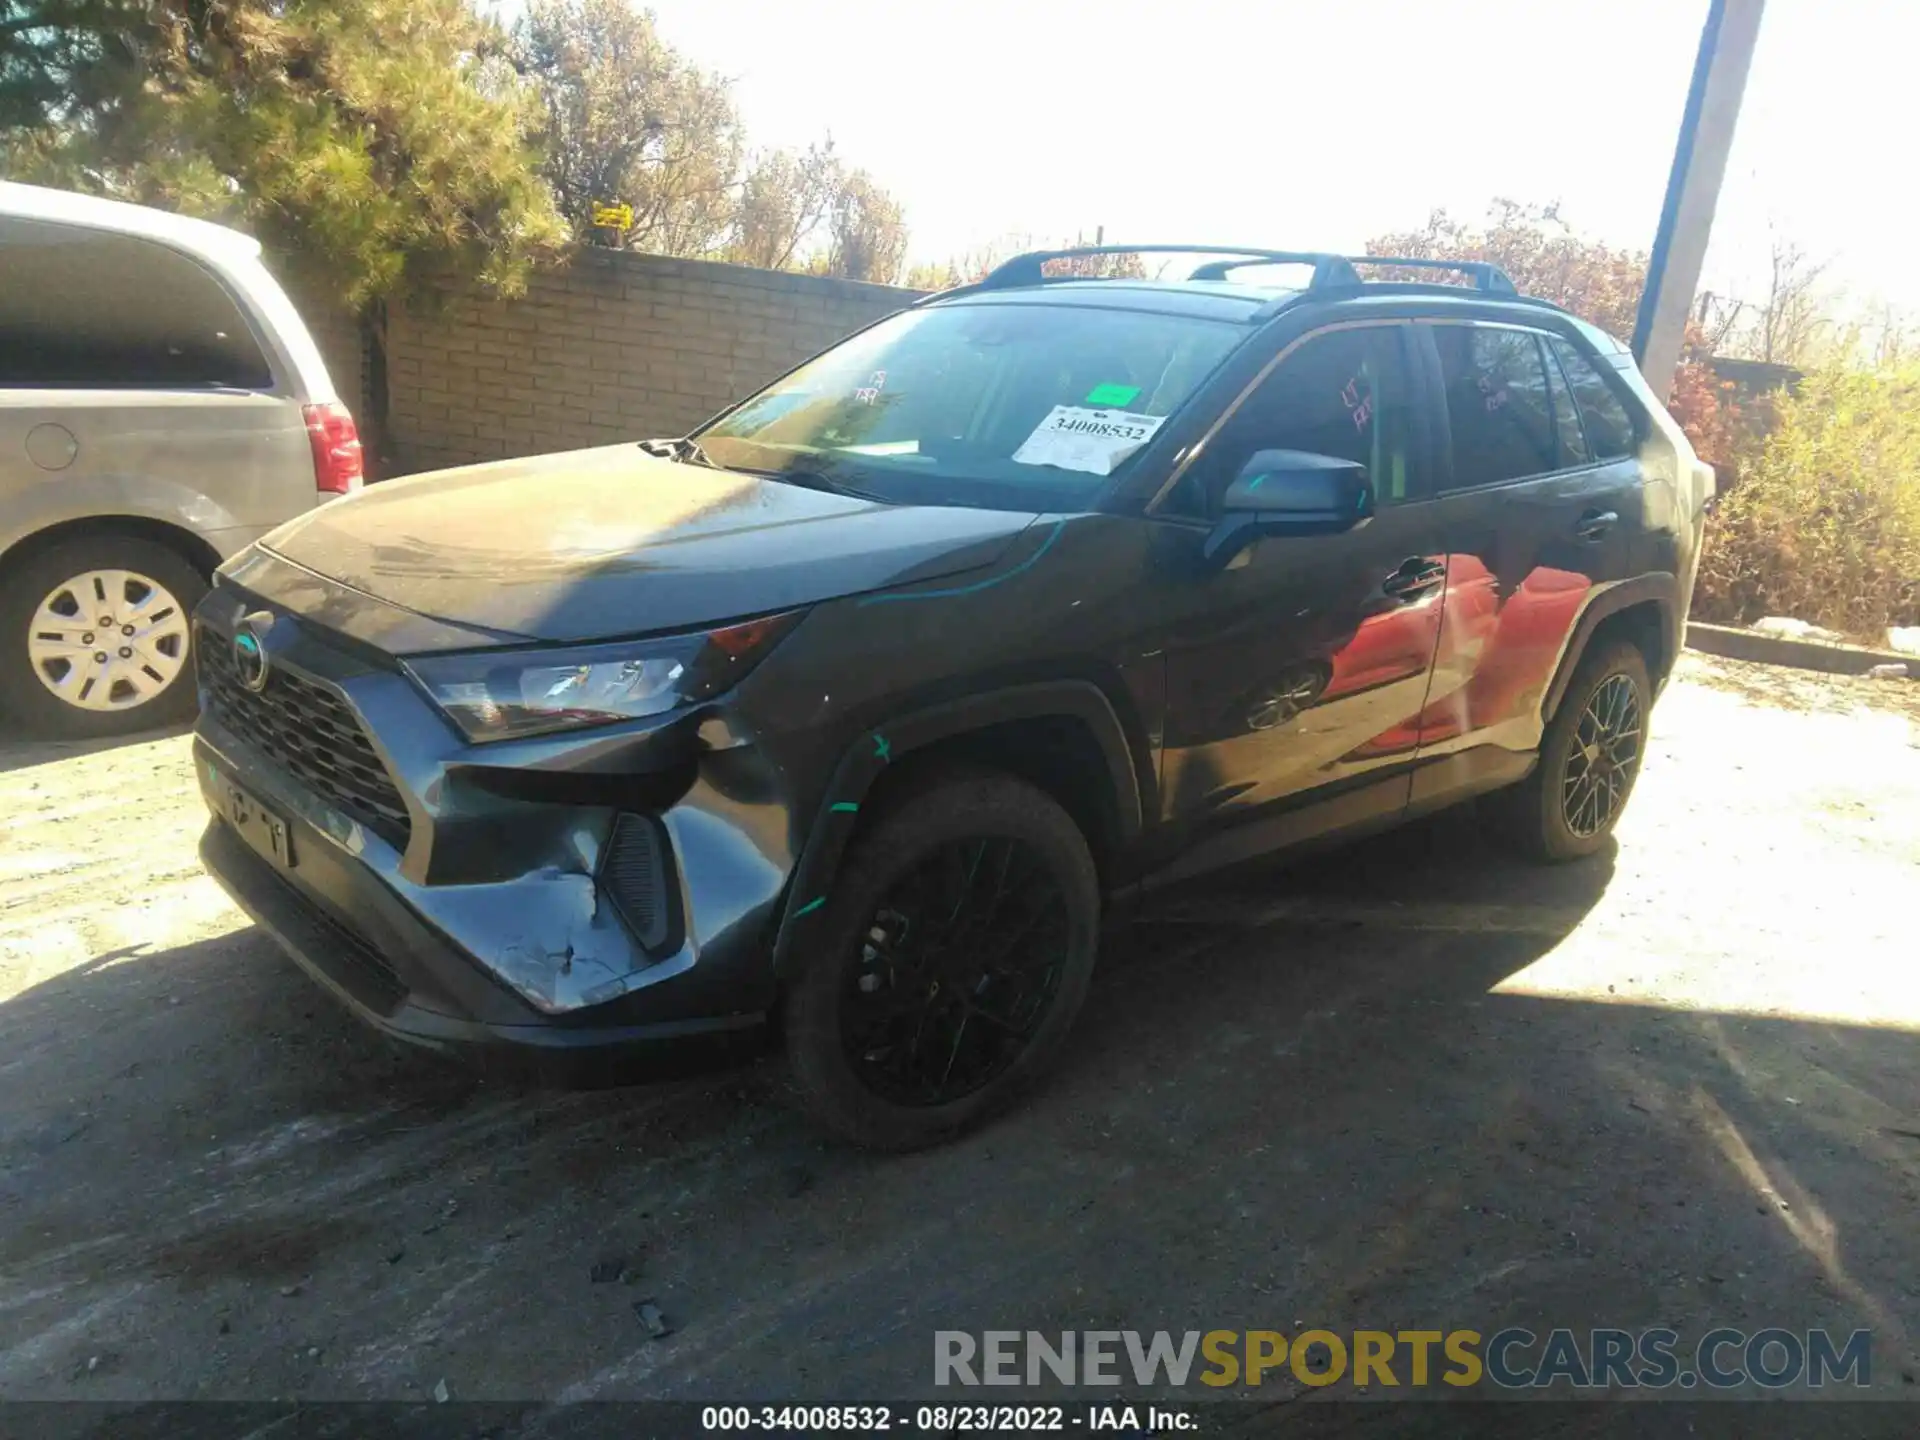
{"type": "Point", "coordinates": [1299, 672]}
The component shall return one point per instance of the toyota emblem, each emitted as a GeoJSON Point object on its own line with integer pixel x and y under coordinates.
{"type": "Point", "coordinates": [250, 652]}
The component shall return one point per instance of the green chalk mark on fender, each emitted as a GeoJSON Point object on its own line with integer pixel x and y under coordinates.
{"type": "Point", "coordinates": [847, 806]}
{"type": "Point", "coordinates": [811, 906]}
{"type": "Point", "coordinates": [978, 585]}
{"type": "Point", "coordinates": [881, 748]}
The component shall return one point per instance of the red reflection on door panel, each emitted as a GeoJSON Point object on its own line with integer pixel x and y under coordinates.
{"type": "Point", "coordinates": [1395, 645]}
{"type": "Point", "coordinates": [1497, 654]}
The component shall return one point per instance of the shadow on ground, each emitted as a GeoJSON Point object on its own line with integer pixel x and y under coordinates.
{"type": "Point", "coordinates": [1292, 1101]}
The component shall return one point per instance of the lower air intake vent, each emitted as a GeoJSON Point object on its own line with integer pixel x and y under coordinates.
{"type": "Point", "coordinates": [637, 876]}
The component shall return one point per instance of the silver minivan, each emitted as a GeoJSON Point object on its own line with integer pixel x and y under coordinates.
{"type": "Point", "coordinates": [161, 406]}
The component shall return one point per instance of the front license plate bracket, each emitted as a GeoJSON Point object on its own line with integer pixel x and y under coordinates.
{"type": "Point", "coordinates": [259, 826]}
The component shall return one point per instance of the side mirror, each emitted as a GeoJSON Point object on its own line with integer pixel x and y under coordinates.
{"type": "Point", "coordinates": [1289, 492]}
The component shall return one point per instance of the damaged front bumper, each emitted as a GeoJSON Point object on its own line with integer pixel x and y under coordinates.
{"type": "Point", "coordinates": [598, 890]}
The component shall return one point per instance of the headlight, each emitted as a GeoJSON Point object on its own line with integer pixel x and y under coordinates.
{"type": "Point", "coordinates": [501, 695]}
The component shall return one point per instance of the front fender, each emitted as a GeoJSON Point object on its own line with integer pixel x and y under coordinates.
{"type": "Point", "coordinates": [863, 762]}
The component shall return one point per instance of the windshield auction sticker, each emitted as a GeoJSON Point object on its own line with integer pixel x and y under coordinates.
{"type": "Point", "coordinates": [1091, 441]}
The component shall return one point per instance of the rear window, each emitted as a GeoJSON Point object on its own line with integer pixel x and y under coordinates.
{"type": "Point", "coordinates": [90, 309]}
{"type": "Point", "coordinates": [1608, 427]}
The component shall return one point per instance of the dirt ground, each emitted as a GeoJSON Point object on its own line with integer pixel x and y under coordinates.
{"type": "Point", "coordinates": [1409, 1084]}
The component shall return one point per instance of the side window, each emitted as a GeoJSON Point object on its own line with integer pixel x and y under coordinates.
{"type": "Point", "coordinates": [1608, 426]}
{"type": "Point", "coordinates": [1342, 393]}
{"type": "Point", "coordinates": [1566, 417]}
{"type": "Point", "coordinates": [88, 308]}
{"type": "Point", "coordinates": [1499, 405]}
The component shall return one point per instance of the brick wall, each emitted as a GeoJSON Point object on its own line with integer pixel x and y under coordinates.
{"type": "Point", "coordinates": [614, 347]}
{"type": "Point", "coordinates": [337, 334]}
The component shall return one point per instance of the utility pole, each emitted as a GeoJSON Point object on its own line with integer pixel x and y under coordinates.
{"type": "Point", "coordinates": [1693, 187]}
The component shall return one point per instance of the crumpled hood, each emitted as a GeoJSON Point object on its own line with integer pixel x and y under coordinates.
{"type": "Point", "coordinates": [613, 541]}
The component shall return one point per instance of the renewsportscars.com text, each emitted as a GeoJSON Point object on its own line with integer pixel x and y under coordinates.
{"type": "Point", "coordinates": [1513, 1358]}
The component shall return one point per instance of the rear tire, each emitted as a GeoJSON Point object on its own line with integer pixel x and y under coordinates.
{"type": "Point", "coordinates": [867, 1043]}
{"type": "Point", "coordinates": [1590, 757]}
{"type": "Point", "coordinates": [52, 606]}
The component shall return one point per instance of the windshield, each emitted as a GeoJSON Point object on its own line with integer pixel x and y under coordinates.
{"type": "Point", "coordinates": [985, 404]}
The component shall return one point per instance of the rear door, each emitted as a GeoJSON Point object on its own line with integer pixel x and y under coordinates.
{"type": "Point", "coordinates": [1540, 500]}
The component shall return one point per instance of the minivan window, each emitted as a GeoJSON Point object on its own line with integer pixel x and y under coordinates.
{"type": "Point", "coordinates": [1609, 428]}
{"type": "Point", "coordinates": [978, 402]}
{"type": "Point", "coordinates": [1498, 404]}
{"type": "Point", "coordinates": [92, 309]}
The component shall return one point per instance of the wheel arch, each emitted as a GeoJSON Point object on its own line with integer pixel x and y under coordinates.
{"type": "Point", "coordinates": [188, 546]}
{"type": "Point", "coordinates": [1643, 610]}
{"type": "Point", "coordinates": [1064, 737]}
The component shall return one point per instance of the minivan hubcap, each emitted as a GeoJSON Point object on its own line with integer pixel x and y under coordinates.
{"type": "Point", "coordinates": [1606, 747]}
{"type": "Point", "coordinates": [108, 640]}
{"type": "Point", "coordinates": [958, 968]}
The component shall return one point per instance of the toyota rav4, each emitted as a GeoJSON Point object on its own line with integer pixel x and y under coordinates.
{"type": "Point", "coordinates": [851, 709]}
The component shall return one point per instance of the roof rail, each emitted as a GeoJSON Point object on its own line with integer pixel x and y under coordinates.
{"type": "Point", "coordinates": [1330, 271]}
{"type": "Point", "coordinates": [1487, 277]}
{"type": "Point", "coordinates": [1028, 269]}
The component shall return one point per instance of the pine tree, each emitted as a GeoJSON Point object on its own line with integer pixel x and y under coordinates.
{"type": "Point", "coordinates": [376, 146]}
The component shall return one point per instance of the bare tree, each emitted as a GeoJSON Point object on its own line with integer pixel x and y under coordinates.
{"type": "Point", "coordinates": [869, 232]}
{"type": "Point", "coordinates": [784, 200]}
{"type": "Point", "coordinates": [1717, 320]}
{"type": "Point", "coordinates": [1787, 326]}
{"type": "Point", "coordinates": [1894, 340]}
{"type": "Point", "coordinates": [626, 119]}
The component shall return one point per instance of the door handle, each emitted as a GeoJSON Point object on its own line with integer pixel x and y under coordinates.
{"type": "Point", "coordinates": [1415, 579]}
{"type": "Point", "coordinates": [1594, 524]}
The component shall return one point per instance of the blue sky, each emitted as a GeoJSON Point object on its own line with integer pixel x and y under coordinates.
{"type": "Point", "coordinates": [1318, 124]}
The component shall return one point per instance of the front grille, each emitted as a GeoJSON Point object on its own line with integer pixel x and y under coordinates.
{"type": "Point", "coordinates": [310, 732]}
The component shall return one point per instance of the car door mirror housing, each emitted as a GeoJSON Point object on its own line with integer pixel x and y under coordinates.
{"type": "Point", "coordinates": [1289, 492]}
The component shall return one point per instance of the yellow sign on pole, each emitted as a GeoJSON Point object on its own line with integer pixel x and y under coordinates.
{"type": "Point", "coordinates": [613, 217]}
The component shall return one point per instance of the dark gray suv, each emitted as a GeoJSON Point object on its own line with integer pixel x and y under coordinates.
{"type": "Point", "coordinates": [852, 708]}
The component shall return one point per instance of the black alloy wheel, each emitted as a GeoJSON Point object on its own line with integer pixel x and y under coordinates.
{"type": "Point", "coordinates": [1590, 756]}
{"type": "Point", "coordinates": [963, 956]}
{"type": "Point", "coordinates": [941, 975]}
{"type": "Point", "coordinates": [1602, 758]}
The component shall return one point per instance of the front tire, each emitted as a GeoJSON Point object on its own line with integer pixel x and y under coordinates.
{"type": "Point", "coordinates": [95, 638]}
{"type": "Point", "coordinates": [948, 964]}
{"type": "Point", "coordinates": [1590, 757]}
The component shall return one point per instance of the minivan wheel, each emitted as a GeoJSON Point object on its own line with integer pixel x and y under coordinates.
{"type": "Point", "coordinates": [95, 637]}
{"type": "Point", "coordinates": [1589, 758]}
{"type": "Point", "coordinates": [949, 964]}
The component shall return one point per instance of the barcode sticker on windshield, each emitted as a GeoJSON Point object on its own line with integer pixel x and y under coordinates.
{"type": "Point", "coordinates": [1091, 441]}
